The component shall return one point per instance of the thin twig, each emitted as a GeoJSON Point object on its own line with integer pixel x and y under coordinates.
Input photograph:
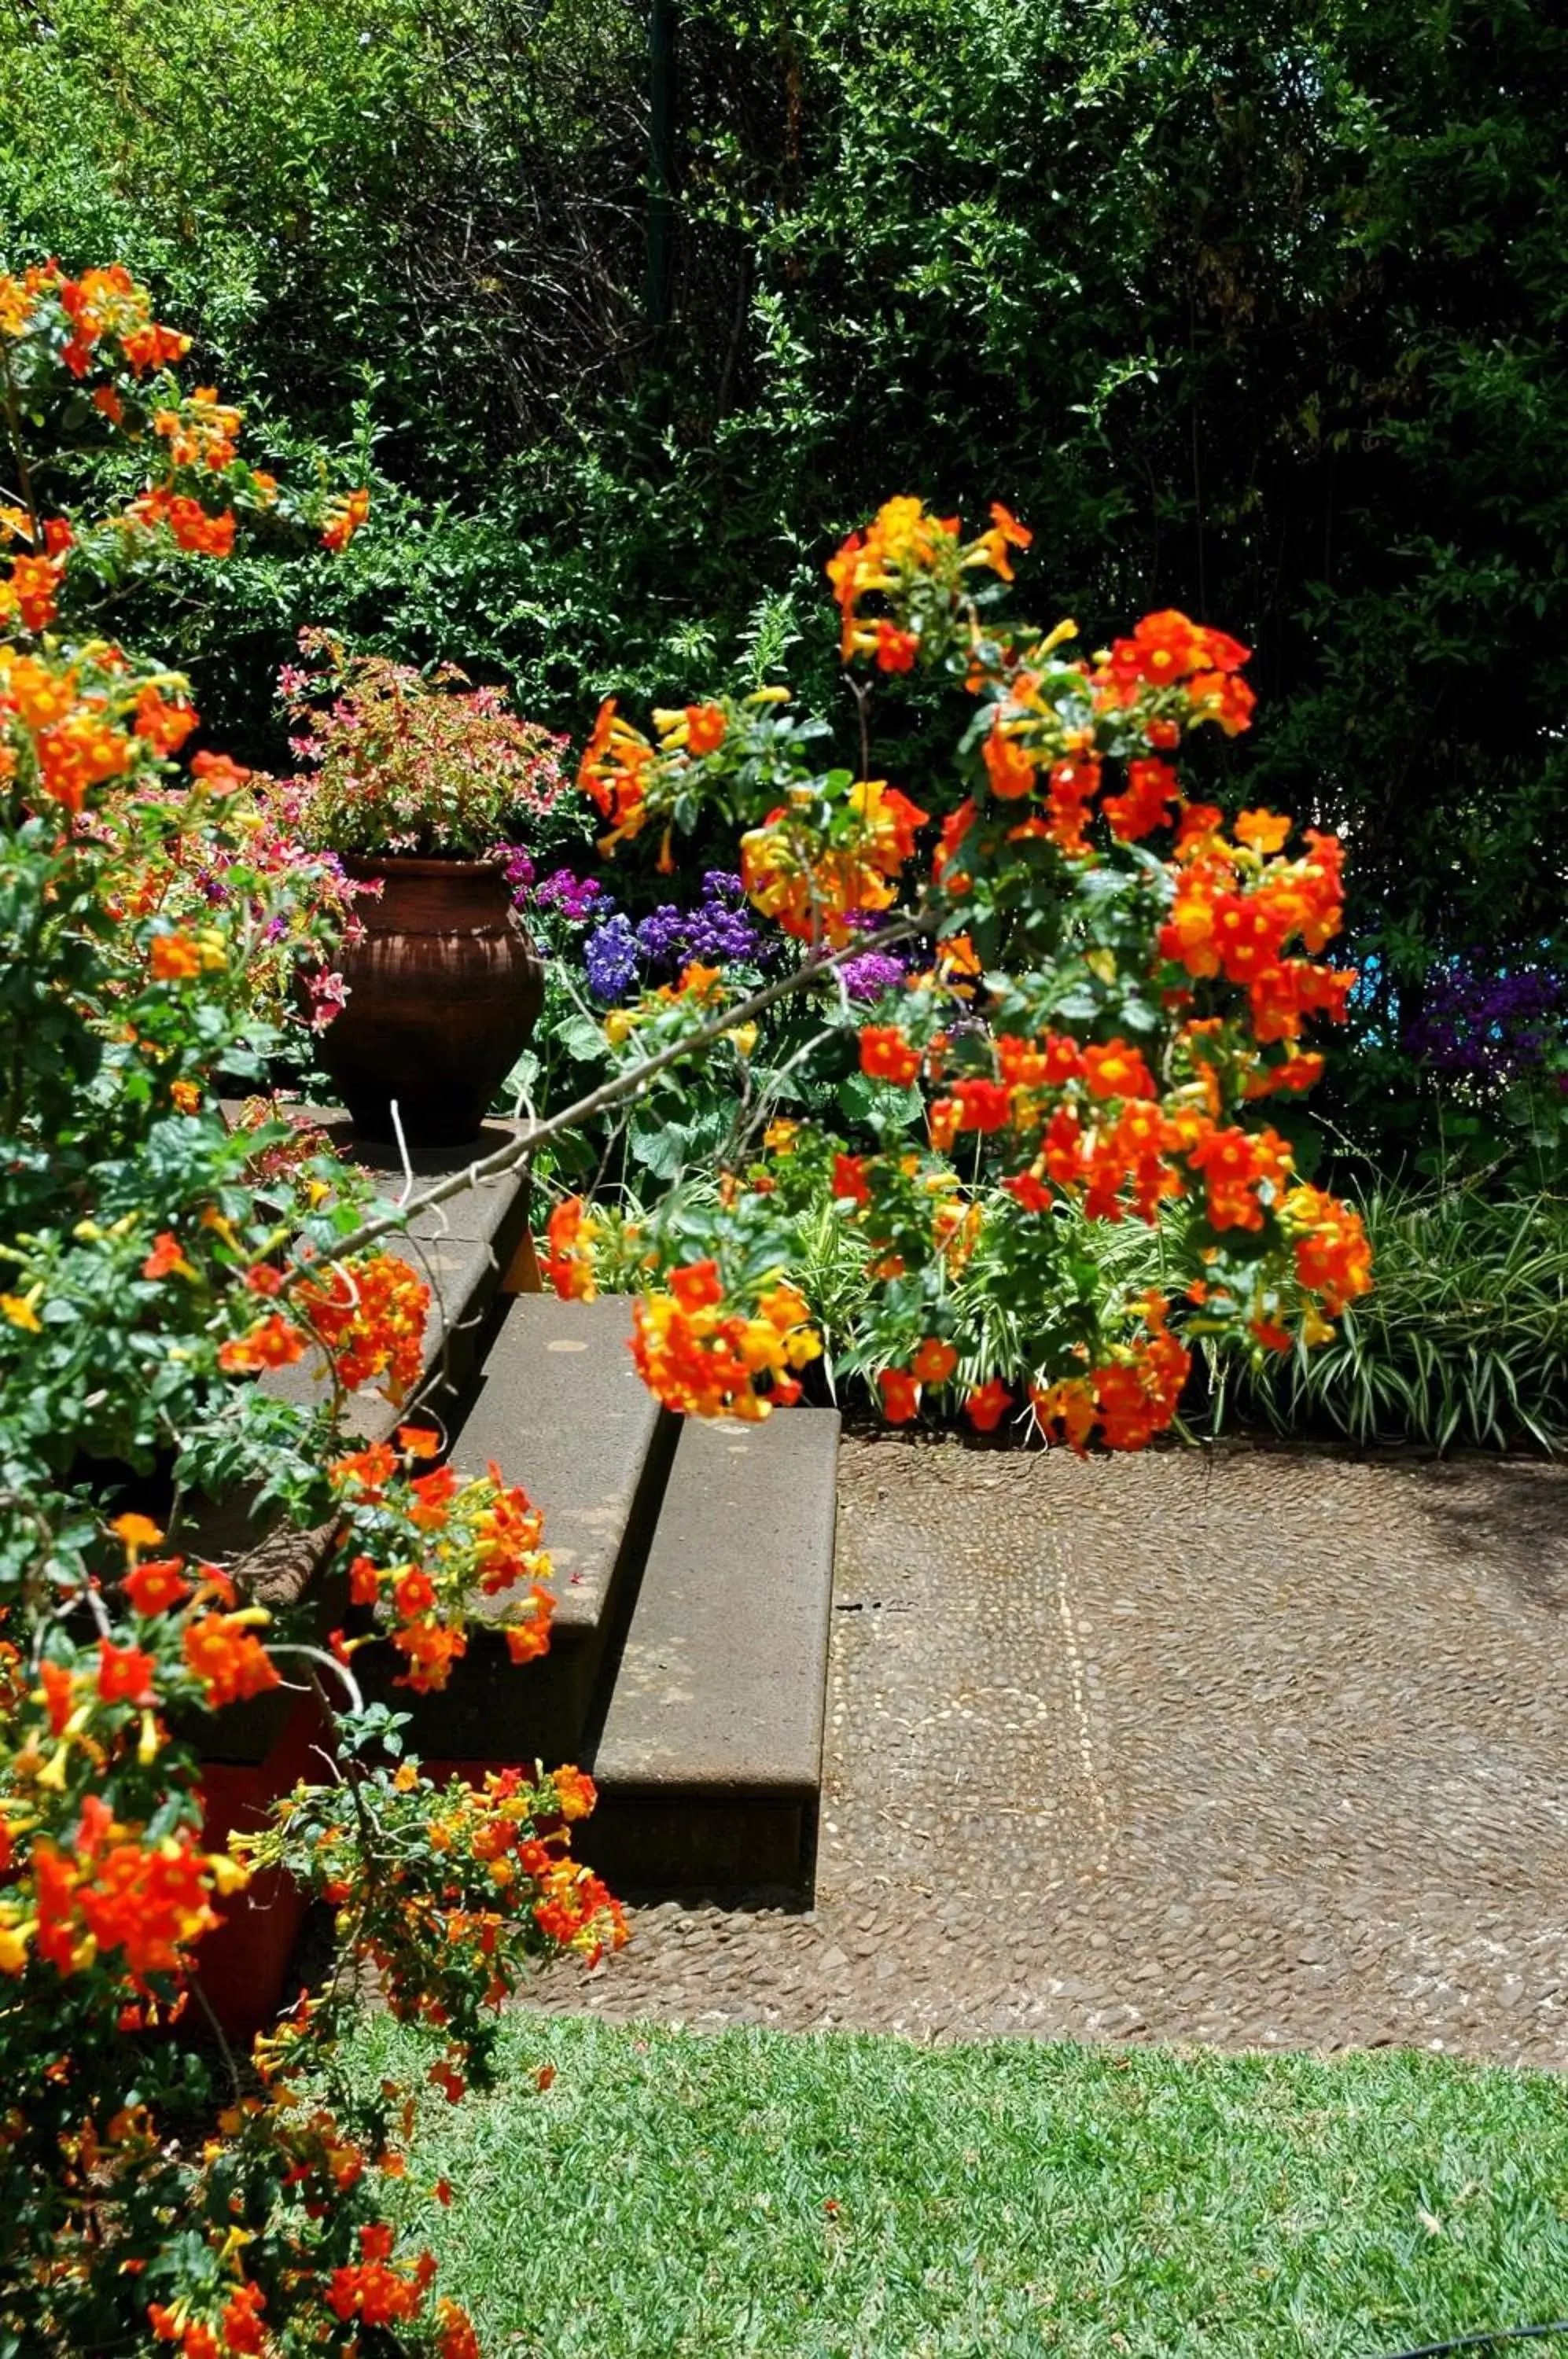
{"type": "Point", "coordinates": [861, 692]}
{"type": "Point", "coordinates": [320, 1655]}
{"type": "Point", "coordinates": [205, 2004]}
{"type": "Point", "coordinates": [403, 1154]}
{"type": "Point", "coordinates": [323, 1754]}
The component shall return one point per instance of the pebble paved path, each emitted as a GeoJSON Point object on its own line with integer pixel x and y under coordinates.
{"type": "Point", "coordinates": [1255, 1749]}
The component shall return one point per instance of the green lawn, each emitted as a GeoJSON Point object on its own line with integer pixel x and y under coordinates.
{"type": "Point", "coordinates": [839, 2196]}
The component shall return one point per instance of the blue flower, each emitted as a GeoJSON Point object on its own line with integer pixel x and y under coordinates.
{"type": "Point", "coordinates": [662, 935]}
{"type": "Point", "coordinates": [610, 956]}
{"type": "Point", "coordinates": [715, 931]}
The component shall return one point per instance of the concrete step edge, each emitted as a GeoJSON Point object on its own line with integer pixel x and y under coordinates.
{"type": "Point", "coordinates": [720, 1686]}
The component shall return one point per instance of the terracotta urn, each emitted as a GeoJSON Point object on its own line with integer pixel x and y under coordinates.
{"type": "Point", "coordinates": [443, 990]}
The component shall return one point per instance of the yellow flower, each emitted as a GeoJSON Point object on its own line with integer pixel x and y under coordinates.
{"type": "Point", "coordinates": [1262, 830]}
{"type": "Point", "coordinates": [760, 1346]}
{"type": "Point", "coordinates": [13, 1939]}
{"type": "Point", "coordinates": [137, 1532]}
{"type": "Point", "coordinates": [18, 1308]}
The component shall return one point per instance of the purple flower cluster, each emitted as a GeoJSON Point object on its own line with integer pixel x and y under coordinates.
{"type": "Point", "coordinates": [519, 869]}
{"type": "Point", "coordinates": [719, 931]}
{"type": "Point", "coordinates": [873, 970]}
{"type": "Point", "coordinates": [873, 973]}
{"type": "Point", "coordinates": [577, 897]}
{"type": "Point", "coordinates": [1488, 1028]}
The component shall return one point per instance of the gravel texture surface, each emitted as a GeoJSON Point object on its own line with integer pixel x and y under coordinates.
{"type": "Point", "coordinates": [1256, 1749]}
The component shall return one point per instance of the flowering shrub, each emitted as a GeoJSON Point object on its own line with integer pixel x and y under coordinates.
{"type": "Point", "coordinates": [155, 1263]}
{"type": "Point", "coordinates": [1116, 982]}
{"type": "Point", "coordinates": [400, 762]}
{"type": "Point", "coordinates": [436, 1546]}
{"type": "Point", "coordinates": [1110, 983]}
{"type": "Point", "coordinates": [82, 356]}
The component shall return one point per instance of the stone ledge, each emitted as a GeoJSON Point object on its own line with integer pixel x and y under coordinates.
{"type": "Point", "coordinates": [461, 1249]}
{"type": "Point", "coordinates": [560, 1408]}
{"type": "Point", "coordinates": [722, 1684]}
{"type": "Point", "coordinates": [651, 1847]}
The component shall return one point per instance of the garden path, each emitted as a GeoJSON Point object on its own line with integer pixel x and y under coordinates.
{"type": "Point", "coordinates": [1252, 1747]}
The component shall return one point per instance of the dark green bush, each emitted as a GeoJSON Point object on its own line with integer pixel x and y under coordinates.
{"type": "Point", "coordinates": [1250, 308]}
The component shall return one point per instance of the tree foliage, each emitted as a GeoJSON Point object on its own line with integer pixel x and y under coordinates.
{"type": "Point", "coordinates": [1251, 309]}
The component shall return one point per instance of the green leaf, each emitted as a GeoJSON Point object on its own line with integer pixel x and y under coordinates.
{"type": "Point", "coordinates": [583, 1038]}
{"type": "Point", "coordinates": [660, 1147]}
{"type": "Point", "coordinates": [879, 1105]}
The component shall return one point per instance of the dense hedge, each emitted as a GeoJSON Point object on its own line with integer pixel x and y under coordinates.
{"type": "Point", "coordinates": [1251, 308]}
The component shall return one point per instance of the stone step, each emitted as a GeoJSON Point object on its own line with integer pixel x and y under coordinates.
{"type": "Point", "coordinates": [709, 1758]}
{"type": "Point", "coordinates": [463, 1249]}
{"type": "Point", "coordinates": [560, 1408]}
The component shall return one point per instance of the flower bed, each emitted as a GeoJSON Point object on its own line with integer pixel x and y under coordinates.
{"type": "Point", "coordinates": [1107, 990]}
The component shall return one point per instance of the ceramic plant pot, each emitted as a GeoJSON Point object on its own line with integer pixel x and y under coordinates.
{"type": "Point", "coordinates": [245, 1961]}
{"type": "Point", "coordinates": [444, 989]}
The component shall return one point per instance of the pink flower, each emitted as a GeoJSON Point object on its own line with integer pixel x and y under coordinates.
{"type": "Point", "coordinates": [329, 994]}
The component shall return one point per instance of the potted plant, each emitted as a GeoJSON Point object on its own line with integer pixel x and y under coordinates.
{"type": "Point", "coordinates": [422, 785]}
